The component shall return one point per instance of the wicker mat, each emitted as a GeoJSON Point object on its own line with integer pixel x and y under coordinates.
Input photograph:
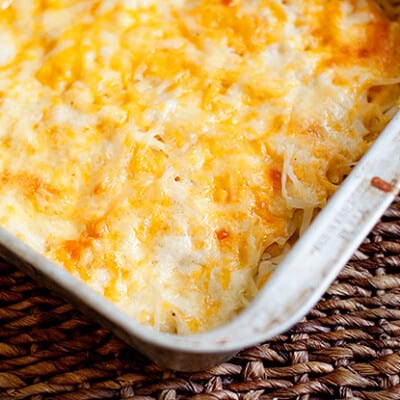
{"type": "Point", "coordinates": [347, 347]}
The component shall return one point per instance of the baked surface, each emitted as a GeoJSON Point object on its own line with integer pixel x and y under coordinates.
{"type": "Point", "coordinates": [158, 149]}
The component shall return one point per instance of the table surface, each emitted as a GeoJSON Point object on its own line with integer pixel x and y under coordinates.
{"type": "Point", "coordinates": [347, 346]}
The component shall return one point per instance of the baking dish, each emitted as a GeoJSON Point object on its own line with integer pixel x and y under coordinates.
{"type": "Point", "coordinates": [293, 289]}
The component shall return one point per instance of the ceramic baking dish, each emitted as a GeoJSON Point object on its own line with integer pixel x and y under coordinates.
{"type": "Point", "coordinates": [293, 289]}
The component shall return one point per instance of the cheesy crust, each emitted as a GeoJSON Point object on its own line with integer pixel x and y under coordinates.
{"type": "Point", "coordinates": [168, 153]}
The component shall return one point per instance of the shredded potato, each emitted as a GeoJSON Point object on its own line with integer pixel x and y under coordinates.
{"type": "Point", "coordinates": [169, 153]}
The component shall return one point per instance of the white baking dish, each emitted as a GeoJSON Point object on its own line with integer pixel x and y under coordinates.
{"type": "Point", "coordinates": [294, 288]}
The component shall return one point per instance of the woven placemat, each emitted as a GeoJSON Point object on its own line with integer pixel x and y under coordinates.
{"type": "Point", "coordinates": [346, 347]}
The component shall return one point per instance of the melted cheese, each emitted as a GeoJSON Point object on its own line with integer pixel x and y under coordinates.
{"type": "Point", "coordinates": [157, 149]}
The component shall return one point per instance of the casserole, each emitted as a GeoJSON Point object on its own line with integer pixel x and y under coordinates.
{"type": "Point", "coordinates": [66, 119]}
{"type": "Point", "coordinates": [326, 246]}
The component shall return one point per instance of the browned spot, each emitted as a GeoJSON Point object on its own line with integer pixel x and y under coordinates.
{"type": "Point", "coordinates": [379, 42]}
{"type": "Point", "coordinates": [30, 184]}
{"type": "Point", "coordinates": [74, 248]}
{"type": "Point", "coordinates": [363, 53]}
{"type": "Point", "coordinates": [382, 185]}
{"type": "Point", "coordinates": [159, 138]}
{"type": "Point", "coordinates": [98, 189]}
{"type": "Point", "coordinates": [96, 229]}
{"type": "Point", "coordinates": [177, 179]}
{"type": "Point", "coordinates": [222, 234]}
{"type": "Point", "coordinates": [228, 3]}
{"type": "Point", "coordinates": [276, 178]}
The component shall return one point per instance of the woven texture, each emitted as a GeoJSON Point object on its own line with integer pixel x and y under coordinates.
{"type": "Point", "coordinates": [347, 346]}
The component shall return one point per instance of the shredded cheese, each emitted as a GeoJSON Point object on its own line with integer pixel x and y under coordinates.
{"type": "Point", "coordinates": [169, 152]}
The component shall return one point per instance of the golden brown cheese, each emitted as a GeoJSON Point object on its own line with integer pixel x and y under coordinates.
{"type": "Point", "coordinates": [157, 149]}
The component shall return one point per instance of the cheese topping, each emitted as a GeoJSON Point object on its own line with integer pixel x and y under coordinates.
{"type": "Point", "coordinates": [169, 152]}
